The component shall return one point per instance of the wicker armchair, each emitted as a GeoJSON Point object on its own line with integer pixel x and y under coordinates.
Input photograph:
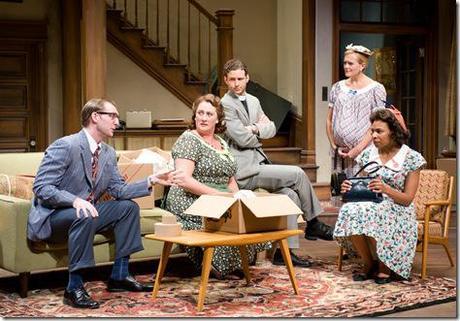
{"type": "Point", "coordinates": [433, 203]}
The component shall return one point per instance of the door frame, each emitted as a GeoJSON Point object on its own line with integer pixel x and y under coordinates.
{"type": "Point", "coordinates": [429, 140]}
{"type": "Point", "coordinates": [34, 33]}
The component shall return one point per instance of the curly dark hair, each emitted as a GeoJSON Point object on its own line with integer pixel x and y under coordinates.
{"type": "Point", "coordinates": [215, 101]}
{"type": "Point", "coordinates": [398, 135]}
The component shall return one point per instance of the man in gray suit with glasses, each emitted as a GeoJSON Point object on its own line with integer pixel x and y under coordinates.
{"type": "Point", "coordinates": [75, 172]}
{"type": "Point", "coordinates": [247, 124]}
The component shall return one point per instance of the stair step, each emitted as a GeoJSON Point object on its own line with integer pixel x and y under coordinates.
{"type": "Point", "coordinates": [131, 28]}
{"type": "Point", "coordinates": [173, 65]}
{"type": "Point", "coordinates": [114, 12]}
{"type": "Point", "coordinates": [322, 190]}
{"type": "Point", "coordinates": [310, 170]}
{"type": "Point", "coordinates": [197, 82]}
{"type": "Point", "coordinates": [283, 155]}
{"type": "Point", "coordinates": [280, 140]}
{"type": "Point", "coordinates": [155, 47]}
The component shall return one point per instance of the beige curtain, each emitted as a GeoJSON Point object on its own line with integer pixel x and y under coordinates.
{"type": "Point", "coordinates": [451, 100]}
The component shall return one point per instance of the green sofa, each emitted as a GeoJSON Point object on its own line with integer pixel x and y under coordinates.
{"type": "Point", "coordinates": [19, 256]}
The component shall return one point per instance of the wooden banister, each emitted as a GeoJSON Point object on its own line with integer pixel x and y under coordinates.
{"type": "Point", "coordinates": [205, 12]}
{"type": "Point", "coordinates": [224, 43]}
{"type": "Point", "coordinates": [203, 46]}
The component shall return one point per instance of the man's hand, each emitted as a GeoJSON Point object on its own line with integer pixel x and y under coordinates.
{"type": "Point", "coordinates": [252, 129]}
{"type": "Point", "coordinates": [263, 119]}
{"type": "Point", "coordinates": [84, 207]}
{"type": "Point", "coordinates": [162, 178]}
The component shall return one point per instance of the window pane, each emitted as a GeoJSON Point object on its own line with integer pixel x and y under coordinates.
{"type": "Point", "coordinates": [371, 11]}
{"type": "Point", "coordinates": [349, 11]}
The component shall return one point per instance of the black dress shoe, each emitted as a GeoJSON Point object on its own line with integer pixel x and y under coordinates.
{"type": "Point", "coordinates": [127, 284]}
{"type": "Point", "coordinates": [79, 298]}
{"type": "Point", "coordinates": [296, 261]}
{"type": "Point", "coordinates": [316, 230]}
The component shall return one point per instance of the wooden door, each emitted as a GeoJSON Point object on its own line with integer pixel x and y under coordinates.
{"type": "Point", "coordinates": [23, 123]}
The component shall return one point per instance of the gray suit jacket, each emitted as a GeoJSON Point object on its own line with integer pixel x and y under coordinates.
{"type": "Point", "coordinates": [244, 145]}
{"type": "Point", "coordinates": [65, 174]}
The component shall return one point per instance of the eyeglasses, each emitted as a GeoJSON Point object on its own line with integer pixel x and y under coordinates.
{"type": "Point", "coordinates": [112, 115]}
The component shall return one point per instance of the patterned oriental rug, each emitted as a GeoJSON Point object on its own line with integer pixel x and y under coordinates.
{"type": "Point", "coordinates": [325, 292]}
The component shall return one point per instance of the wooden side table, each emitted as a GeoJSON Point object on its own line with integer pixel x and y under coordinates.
{"type": "Point", "coordinates": [209, 240]}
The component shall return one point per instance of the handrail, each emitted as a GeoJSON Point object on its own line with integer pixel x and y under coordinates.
{"type": "Point", "coordinates": [201, 41]}
{"type": "Point", "coordinates": [204, 11]}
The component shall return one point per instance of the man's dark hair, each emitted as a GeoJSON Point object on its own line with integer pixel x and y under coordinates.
{"type": "Point", "coordinates": [235, 64]}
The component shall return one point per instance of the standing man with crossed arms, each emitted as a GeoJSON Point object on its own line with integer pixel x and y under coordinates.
{"type": "Point", "coordinates": [75, 172]}
{"type": "Point", "coordinates": [246, 125]}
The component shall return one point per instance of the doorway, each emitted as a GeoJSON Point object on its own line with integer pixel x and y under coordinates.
{"type": "Point", "coordinates": [23, 116]}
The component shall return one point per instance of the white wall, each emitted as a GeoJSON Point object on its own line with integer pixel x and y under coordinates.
{"type": "Point", "coordinates": [133, 89]}
{"type": "Point", "coordinates": [323, 77]}
{"type": "Point", "coordinates": [289, 52]}
{"type": "Point", "coordinates": [45, 10]}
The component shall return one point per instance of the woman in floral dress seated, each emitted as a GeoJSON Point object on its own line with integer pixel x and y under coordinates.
{"type": "Point", "coordinates": [208, 167]}
{"type": "Point", "coordinates": [386, 230]}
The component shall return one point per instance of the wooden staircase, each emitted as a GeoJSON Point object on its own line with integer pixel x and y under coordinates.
{"type": "Point", "coordinates": [160, 57]}
{"type": "Point", "coordinates": [132, 42]}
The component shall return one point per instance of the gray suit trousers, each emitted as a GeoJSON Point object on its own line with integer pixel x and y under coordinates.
{"type": "Point", "coordinates": [121, 217]}
{"type": "Point", "coordinates": [293, 182]}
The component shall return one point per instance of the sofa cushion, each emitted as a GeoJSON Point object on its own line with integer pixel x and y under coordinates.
{"type": "Point", "coordinates": [149, 218]}
{"type": "Point", "coordinates": [19, 186]}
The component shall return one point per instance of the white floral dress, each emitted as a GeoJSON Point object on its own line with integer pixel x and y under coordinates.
{"type": "Point", "coordinates": [393, 226]}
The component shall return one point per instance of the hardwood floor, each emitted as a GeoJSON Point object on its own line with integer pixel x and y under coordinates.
{"type": "Point", "coordinates": [438, 264]}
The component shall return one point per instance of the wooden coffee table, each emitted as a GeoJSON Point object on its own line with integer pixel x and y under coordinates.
{"type": "Point", "coordinates": [209, 240]}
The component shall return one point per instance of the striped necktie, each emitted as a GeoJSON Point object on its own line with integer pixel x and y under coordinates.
{"type": "Point", "coordinates": [94, 170]}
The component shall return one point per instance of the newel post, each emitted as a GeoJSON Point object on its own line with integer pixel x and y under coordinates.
{"type": "Point", "coordinates": [224, 43]}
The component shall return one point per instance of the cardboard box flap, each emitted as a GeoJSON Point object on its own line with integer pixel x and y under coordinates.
{"type": "Point", "coordinates": [274, 205]}
{"type": "Point", "coordinates": [213, 206]}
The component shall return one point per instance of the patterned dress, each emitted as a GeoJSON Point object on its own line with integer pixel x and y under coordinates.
{"type": "Point", "coordinates": [213, 168]}
{"type": "Point", "coordinates": [351, 111]}
{"type": "Point", "coordinates": [392, 225]}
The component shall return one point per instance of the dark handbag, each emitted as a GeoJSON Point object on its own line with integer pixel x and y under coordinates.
{"type": "Point", "coordinates": [360, 191]}
{"type": "Point", "coordinates": [337, 177]}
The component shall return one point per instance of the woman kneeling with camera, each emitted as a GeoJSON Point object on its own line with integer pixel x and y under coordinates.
{"type": "Point", "coordinates": [386, 230]}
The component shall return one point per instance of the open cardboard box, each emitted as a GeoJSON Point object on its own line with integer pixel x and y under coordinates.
{"type": "Point", "coordinates": [133, 172]}
{"type": "Point", "coordinates": [222, 212]}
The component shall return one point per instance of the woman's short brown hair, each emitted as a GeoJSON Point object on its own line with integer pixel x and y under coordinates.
{"type": "Point", "coordinates": [398, 135]}
{"type": "Point", "coordinates": [215, 101]}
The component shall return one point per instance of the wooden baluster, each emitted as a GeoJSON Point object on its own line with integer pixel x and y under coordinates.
{"type": "Point", "coordinates": [199, 43]}
{"type": "Point", "coordinates": [209, 56]}
{"type": "Point", "coordinates": [167, 32]}
{"type": "Point", "coordinates": [136, 24]}
{"type": "Point", "coordinates": [158, 22]}
{"type": "Point", "coordinates": [114, 4]}
{"type": "Point", "coordinates": [147, 19]}
{"type": "Point", "coordinates": [178, 31]}
{"type": "Point", "coordinates": [188, 43]}
{"type": "Point", "coordinates": [125, 13]}
{"type": "Point", "coordinates": [224, 42]}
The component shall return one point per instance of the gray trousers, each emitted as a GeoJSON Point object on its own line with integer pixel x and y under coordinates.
{"type": "Point", "coordinates": [119, 217]}
{"type": "Point", "coordinates": [293, 182]}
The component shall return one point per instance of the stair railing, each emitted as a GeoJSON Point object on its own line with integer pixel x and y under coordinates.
{"type": "Point", "coordinates": [191, 36]}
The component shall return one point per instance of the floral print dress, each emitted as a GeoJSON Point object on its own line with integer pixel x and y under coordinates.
{"type": "Point", "coordinates": [214, 168]}
{"type": "Point", "coordinates": [393, 226]}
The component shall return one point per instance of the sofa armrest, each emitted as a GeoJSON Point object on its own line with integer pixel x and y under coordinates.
{"type": "Point", "coordinates": [13, 230]}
